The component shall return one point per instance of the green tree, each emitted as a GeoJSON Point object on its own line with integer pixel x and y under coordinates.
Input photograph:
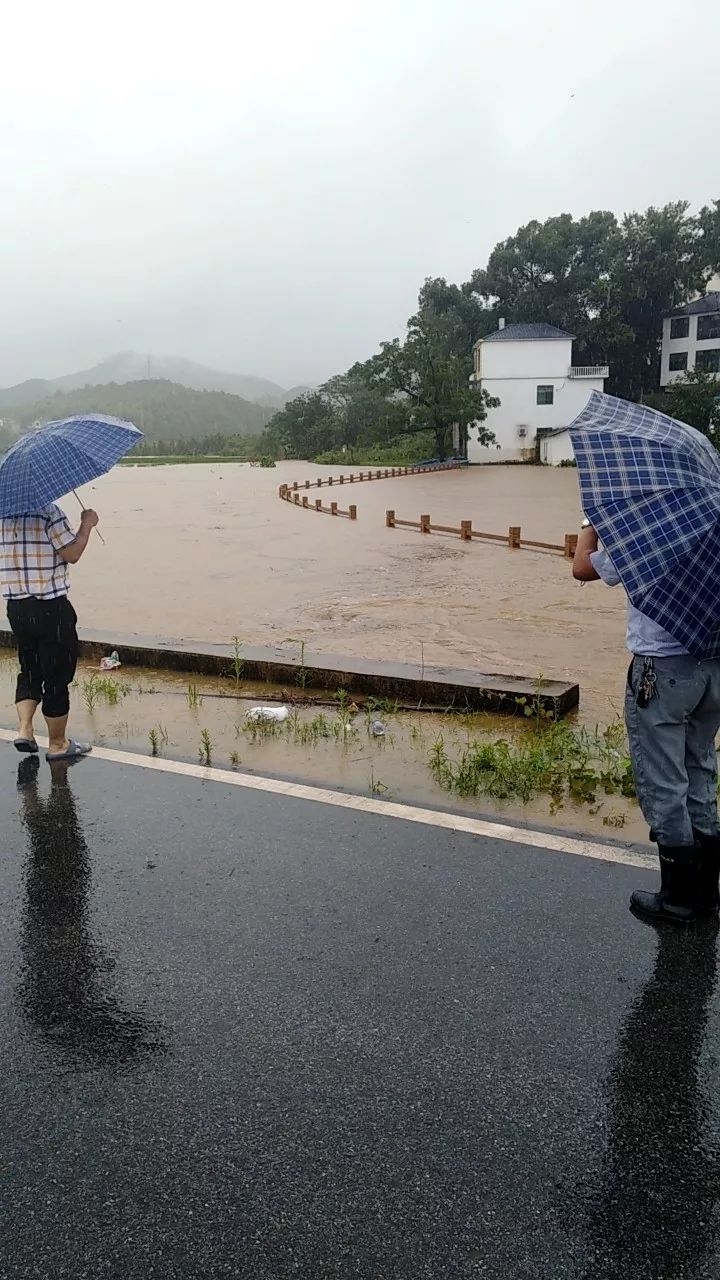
{"type": "Point", "coordinates": [308, 425]}
{"type": "Point", "coordinates": [695, 399]}
{"type": "Point", "coordinates": [553, 272]}
{"type": "Point", "coordinates": [434, 380]}
{"type": "Point", "coordinates": [659, 264]}
{"type": "Point", "coordinates": [608, 283]}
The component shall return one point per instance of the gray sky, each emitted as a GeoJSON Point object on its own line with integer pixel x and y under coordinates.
{"type": "Point", "coordinates": [263, 187]}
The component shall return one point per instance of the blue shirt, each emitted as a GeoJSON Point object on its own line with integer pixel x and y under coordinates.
{"type": "Point", "coordinates": [644, 636]}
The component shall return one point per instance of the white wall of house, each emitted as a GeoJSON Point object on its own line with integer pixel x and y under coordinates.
{"type": "Point", "coordinates": [685, 347]}
{"type": "Point", "coordinates": [513, 370]}
{"type": "Point", "coordinates": [556, 449]}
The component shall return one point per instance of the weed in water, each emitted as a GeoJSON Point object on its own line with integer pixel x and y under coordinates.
{"type": "Point", "coordinates": [91, 693]}
{"type": "Point", "coordinates": [237, 662]}
{"type": "Point", "coordinates": [383, 708]}
{"type": "Point", "coordinates": [112, 690]}
{"type": "Point", "coordinates": [193, 697]}
{"type": "Point", "coordinates": [302, 675]}
{"type": "Point", "coordinates": [342, 726]}
{"type": "Point", "coordinates": [206, 748]}
{"type": "Point", "coordinates": [154, 738]}
{"type": "Point", "coordinates": [235, 759]}
{"type": "Point", "coordinates": [554, 760]}
{"type": "Point", "coordinates": [377, 786]}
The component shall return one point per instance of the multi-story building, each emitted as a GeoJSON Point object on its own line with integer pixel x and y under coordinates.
{"type": "Point", "coordinates": [529, 368]}
{"type": "Point", "coordinates": [691, 339]}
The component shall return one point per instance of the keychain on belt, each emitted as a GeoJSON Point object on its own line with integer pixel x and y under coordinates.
{"type": "Point", "coordinates": [648, 683]}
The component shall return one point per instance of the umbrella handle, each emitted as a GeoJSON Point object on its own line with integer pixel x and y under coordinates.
{"type": "Point", "coordinates": [84, 508]}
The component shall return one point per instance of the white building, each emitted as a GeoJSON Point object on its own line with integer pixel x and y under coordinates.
{"type": "Point", "coordinates": [691, 339]}
{"type": "Point", "coordinates": [529, 368]}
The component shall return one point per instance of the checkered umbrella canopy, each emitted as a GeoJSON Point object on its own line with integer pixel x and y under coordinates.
{"type": "Point", "coordinates": [52, 461]}
{"type": "Point", "coordinates": [651, 488]}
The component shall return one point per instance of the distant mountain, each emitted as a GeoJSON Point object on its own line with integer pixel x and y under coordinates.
{"type": "Point", "coordinates": [162, 409]}
{"type": "Point", "coordinates": [25, 393]}
{"type": "Point", "coordinates": [131, 366]}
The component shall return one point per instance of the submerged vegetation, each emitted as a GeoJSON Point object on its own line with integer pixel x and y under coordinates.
{"type": "Point", "coordinates": [554, 760]}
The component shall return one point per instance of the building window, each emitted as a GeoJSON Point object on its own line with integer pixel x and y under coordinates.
{"type": "Point", "coordinates": [545, 395]}
{"type": "Point", "coordinates": [678, 361]}
{"type": "Point", "coordinates": [708, 361]}
{"type": "Point", "coordinates": [680, 328]}
{"type": "Point", "coordinates": [708, 327]}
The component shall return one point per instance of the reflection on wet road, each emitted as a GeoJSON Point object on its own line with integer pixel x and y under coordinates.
{"type": "Point", "coordinates": [658, 1213]}
{"type": "Point", "coordinates": [65, 986]}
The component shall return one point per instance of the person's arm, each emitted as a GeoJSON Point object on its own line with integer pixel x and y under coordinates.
{"type": "Point", "coordinates": [72, 551]}
{"type": "Point", "coordinates": [583, 568]}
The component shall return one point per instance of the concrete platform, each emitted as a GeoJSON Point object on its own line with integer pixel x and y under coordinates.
{"type": "Point", "coordinates": [246, 1035]}
{"type": "Point", "coordinates": [409, 683]}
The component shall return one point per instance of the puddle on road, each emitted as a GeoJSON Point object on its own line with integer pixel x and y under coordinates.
{"type": "Point", "coordinates": [323, 743]}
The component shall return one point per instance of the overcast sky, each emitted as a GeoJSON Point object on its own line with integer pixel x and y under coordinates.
{"type": "Point", "coordinates": [263, 187]}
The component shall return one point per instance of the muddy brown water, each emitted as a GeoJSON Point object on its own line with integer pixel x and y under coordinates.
{"type": "Point", "coordinates": [206, 552]}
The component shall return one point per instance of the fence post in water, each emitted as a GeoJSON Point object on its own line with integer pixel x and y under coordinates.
{"type": "Point", "coordinates": [330, 480]}
{"type": "Point", "coordinates": [341, 479]}
{"type": "Point", "coordinates": [466, 530]}
{"type": "Point", "coordinates": [296, 497]}
{"type": "Point", "coordinates": [295, 484]}
{"type": "Point", "coordinates": [379, 475]}
{"type": "Point", "coordinates": [352, 511]}
{"type": "Point", "coordinates": [390, 519]}
{"type": "Point", "coordinates": [318, 504]}
{"type": "Point", "coordinates": [514, 536]}
{"type": "Point", "coordinates": [352, 478]}
{"type": "Point", "coordinates": [424, 524]}
{"type": "Point", "coordinates": [570, 545]}
{"type": "Point", "coordinates": [333, 508]}
{"type": "Point", "coordinates": [306, 500]}
{"type": "Point", "coordinates": [319, 483]}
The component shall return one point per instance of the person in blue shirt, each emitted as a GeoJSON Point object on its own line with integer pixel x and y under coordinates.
{"type": "Point", "coordinates": [672, 713]}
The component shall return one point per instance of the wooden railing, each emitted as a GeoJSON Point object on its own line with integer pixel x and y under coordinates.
{"type": "Point", "coordinates": [513, 538]}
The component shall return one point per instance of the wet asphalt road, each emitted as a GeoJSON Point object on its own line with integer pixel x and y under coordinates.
{"type": "Point", "coordinates": [246, 1036]}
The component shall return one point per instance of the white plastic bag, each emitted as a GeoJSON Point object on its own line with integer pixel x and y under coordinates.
{"type": "Point", "coordinates": [268, 715]}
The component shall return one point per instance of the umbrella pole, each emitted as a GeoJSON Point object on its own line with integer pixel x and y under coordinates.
{"type": "Point", "coordinates": [84, 508]}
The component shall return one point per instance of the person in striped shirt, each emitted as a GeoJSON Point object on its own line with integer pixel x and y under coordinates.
{"type": "Point", "coordinates": [35, 552]}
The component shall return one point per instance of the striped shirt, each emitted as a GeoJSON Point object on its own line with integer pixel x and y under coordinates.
{"type": "Point", "coordinates": [29, 560]}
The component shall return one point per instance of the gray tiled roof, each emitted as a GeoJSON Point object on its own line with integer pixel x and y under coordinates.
{"type": "Point", "coordinates": [701, 306]}
{"type": "Point", "coordinates": [525, 333]}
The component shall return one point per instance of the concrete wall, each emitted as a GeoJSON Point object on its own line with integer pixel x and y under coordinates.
{"type": "Point", "coordinates": [524, 358]}
{"type": "Point", "coordinates": [519, 408]}
{"type": "Point", "coordinates": [689, 344]}
{"type": "Point", "coordinates": [556, 449]}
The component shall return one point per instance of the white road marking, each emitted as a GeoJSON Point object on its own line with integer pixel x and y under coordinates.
{"type": "Point", "coordinates": [554, 842]}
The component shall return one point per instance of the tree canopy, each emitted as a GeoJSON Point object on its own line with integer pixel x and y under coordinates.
{"type": "Point", "coordinates": [607, 280]}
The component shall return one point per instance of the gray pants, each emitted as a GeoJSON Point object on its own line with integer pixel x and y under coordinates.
{"type": "Point", "coordinates": [672, 747]}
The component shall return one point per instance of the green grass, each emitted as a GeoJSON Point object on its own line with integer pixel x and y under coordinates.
{"type": "Point", "coordinates": [553, 760]}
{"type": "Point", "coordinates": [205, 750]}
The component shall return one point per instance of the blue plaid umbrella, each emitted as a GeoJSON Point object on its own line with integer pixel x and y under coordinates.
{"type": "Point", "coordinates": [651, 488]}
{"type": "Point", "coordinates": [52, 461]}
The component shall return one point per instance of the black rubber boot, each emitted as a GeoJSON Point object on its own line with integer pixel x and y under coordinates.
{"type": "Point", "coordinates": [708, 874]}
{"type": "Point", "coordinates": [676, 901]}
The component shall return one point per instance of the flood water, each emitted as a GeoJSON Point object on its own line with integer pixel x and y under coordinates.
{"type": "Point", "coordinates": [207, 552]}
